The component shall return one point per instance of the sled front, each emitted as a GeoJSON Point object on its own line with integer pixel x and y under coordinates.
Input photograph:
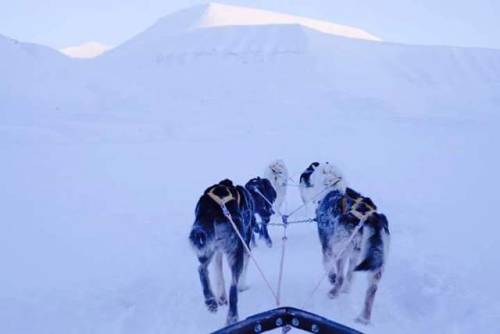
{"type": "Point", "coordinates": [286, 316]}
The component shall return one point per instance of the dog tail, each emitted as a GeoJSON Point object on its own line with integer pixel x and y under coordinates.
{"type": "Point", "coordinates": [375, 243]}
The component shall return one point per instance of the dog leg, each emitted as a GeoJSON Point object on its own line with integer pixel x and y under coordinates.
{"type": "Point", "coordinates": [253, 241]}
{"type": "Point", "coordinates": [242, 285]}
{"type": "Point", "coordinates": [221, 285]}
{"type": "Point", "coordinates": [235, 261]}
{"type": "Point", "coordinates": [353, 262]}
{"type": "Point", "coordinates": [280, 195]}
{"type": "Point", "coordinates": [205, 282]}
{"type": "Point", "coordinates": [330, 267]}
{"type": "Point", "coordinates": [365, 315]}
{"type": "Point", "coordinates": [338, 279]}
{"type": "Point", "coordinates": [254, 230]}
{"type": "Point", "coordinates": [265, 233]}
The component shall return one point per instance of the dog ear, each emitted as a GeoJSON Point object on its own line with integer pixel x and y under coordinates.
{"type": "Point", "coordinates": [227, 183]}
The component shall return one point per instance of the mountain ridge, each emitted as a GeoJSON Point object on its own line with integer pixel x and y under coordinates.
{"type": "Point", "coordinates": [173, 65]}
{"type": "Point", "coordinates": [214, 15]}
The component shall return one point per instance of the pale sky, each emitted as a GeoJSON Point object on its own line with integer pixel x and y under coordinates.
{"type": "Point", "coordinates": [62, 23]}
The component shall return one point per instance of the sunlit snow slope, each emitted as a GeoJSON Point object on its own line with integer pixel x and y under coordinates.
{"type": "Point", "coordinates": [86, 50]}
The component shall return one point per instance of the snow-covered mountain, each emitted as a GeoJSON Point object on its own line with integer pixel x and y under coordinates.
{"type": "Point", "coordinates": [219, 15]}
{"type": "Point", "coordinates": [27, 65]}
{"type": "Point", "coordinates": [86, 50]}
{"type": "Point", "coordinates": [103, 161]}
{"type": "Point", "coordinates": [204, 53]}
{"type": "Point", "coordinates": [296, 61]}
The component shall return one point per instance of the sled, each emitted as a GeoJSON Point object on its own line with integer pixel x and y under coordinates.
{"type": "Point", "coordinates": [286, 317]}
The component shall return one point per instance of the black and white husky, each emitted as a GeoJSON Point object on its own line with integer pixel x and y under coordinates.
{"type": "Point", "coordinates": [264, 197]}
{"type": "Point", "coordinates": [212, 235]}
{"type": "Point", "coordinates": [305, 184]}
{"type": "Point", "coordinates": [352, 233]}
{"type": "Point", "coordinates": [316, 179]}
{"type": "Point", "coordinates": [277, 173]}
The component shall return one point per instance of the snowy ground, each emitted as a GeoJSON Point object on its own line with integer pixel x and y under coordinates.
{"type": "Point", "coordinates": [94, 235]}
{"type": "Point", "coordinates": [102, 163]}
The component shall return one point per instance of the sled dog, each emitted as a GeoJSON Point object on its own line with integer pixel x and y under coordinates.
{"type": "Point", "coordinates": [277, 173]}
{"type": "Point", "coordinates": [213, 236]}
{"type": "Point", "coordinates": [338, 215]}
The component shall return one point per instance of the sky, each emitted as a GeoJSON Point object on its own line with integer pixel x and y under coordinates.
{"type": "Point", "coordinates": [63, 23]}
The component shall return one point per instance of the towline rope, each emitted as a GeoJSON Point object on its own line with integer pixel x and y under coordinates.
{"type": "Point", "coordinates": [277, 294]}
{"type": "Point", "coordinates": [247, 249]}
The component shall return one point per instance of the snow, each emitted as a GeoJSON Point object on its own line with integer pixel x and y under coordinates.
{"type": "Point", "coordinates": [216, 15]}
{"type": "Point", "coordinates": [86, 50]}
{"type": "Point", "coordinates": [103, 161]}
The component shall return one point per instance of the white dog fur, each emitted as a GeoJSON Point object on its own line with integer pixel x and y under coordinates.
{"type": "Point", "coordinates": [277, 173]}
{"type": "Point", "coordinates": [325, 176]}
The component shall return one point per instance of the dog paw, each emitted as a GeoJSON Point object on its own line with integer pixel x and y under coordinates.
{"type": "Point", "coordinates": [362, 320]}
{"type": "Point", "coordinates": [222, 300]}
{"type": "Point", "coordinates": [211, 305]}
{"type": "Point", "coordinates": [333, 293]}
{"type": "Point", "coordinates": [332, 277]}
{"type": "Point", "coordinates": [231, 319]}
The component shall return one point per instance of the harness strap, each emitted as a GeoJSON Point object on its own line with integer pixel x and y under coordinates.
{"type": "Point", "coordinates": [222, 201]}
{"type": "Point", "coordinates": [267, 200]}
{"type": "Point", "coordinates": [362, 217]}
{"type": "Point", "coordinates": [249, 252]}
{"type": "Point", "coordinates": [354, 209]}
